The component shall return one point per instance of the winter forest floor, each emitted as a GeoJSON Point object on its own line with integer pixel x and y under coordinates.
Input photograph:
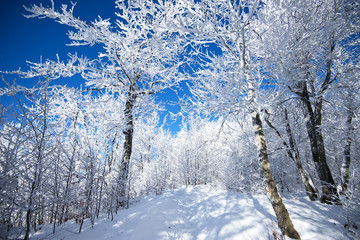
{"type": "Point", "coordinates": [207, 212]}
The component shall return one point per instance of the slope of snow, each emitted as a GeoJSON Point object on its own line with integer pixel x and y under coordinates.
{"type": "Point", "coordinates": [205, 212]}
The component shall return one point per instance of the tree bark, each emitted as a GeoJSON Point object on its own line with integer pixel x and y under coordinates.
{"type": "Point", "coordinates": [293, 153]}
{"type": "Point", "coordinates": [311, 190]}
{"type": "Point", "coordinates": [29, 213]}
{"type": "Point", "coordinates": [313, 124]}
{"type": "Point", "coordinates": [345, 168]}
{"type": "Point", "coordinates": [284, 221]}
{"type": "Point", "coordinates": [125, 160]}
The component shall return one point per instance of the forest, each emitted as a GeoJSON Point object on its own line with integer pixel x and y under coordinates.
{"type": "Point", "coordinates": [267, 94]}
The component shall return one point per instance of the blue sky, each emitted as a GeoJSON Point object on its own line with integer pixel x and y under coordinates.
{"type": "Point", "coordinates": [26, 39]}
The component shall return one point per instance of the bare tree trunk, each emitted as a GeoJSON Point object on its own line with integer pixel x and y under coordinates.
{"type": "Point", "coordinates": [311, 190]}
{"type": "Point", "coordinates": [125, 160]}
{"type": "Point", "coordinates": [313, 124]}
{"type": "Point", "coordinates": [29, 212]}
{"type": "Point", "coordinates": [345, 168]}
{"type": "Point", "coordinates": [284, 221]}
{"type": "Point", "coordinates": [282, 215]}
{"type": "Point", "coordinates": [98, 205]}
{"type": "Point", "coordinates": [82, 221]}
{"type": "Point", "coordinates": [56, 194]}
{"type": "Point", "coordinates": [291, 151]}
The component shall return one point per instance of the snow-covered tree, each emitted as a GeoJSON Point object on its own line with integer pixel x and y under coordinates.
{"type": "Point", "coordinates": [31, 151]}
{"type": "Point", "coordinates": [304, 51]}
{"type": "Point", "coordinates": [230, 82]}
{"type": "Point", "coordinates": [271, 82]}
{"type": "Point", "coordinates": [140, 57]}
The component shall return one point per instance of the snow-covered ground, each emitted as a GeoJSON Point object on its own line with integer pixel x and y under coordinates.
{"type": "Point", "coordinates": [206, 212]}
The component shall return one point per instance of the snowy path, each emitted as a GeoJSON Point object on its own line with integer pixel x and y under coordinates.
{"type": "Point", "coordinates": [203, 212]}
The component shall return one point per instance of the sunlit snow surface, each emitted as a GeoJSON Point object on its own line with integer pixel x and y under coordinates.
{"type": "Point", "coordinates": [206, 212]}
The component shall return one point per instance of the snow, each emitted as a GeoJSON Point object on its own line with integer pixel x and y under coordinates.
{"type": "Point", "coordinates": [207, 212]}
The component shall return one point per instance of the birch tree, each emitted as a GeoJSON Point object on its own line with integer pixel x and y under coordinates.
{"type": "Point", "coordinates": [230, 81]}
{"type": "Point", "coordinates": [351, 109]}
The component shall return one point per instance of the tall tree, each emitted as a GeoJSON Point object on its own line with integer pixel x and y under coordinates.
{"type": "Point", "coordinates": [304, 49]}
{"type": "Point", "coordinates": [230, 81]}
{"type": "Point", "coordinates": [346, 111]}
{"type": "Point", "coordinates": [345, 168]}
{"type": "Point", "coordinates": [140, 58]}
